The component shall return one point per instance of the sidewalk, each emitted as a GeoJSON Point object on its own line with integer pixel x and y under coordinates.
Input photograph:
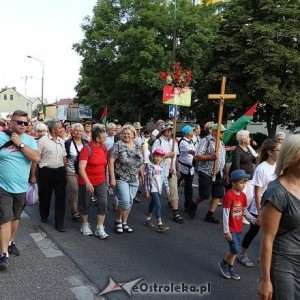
{"type": "Point", "coordinates": [42, 271]}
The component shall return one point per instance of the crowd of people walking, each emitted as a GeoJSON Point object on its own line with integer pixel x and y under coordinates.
{"type": "Point", "coordinates": [82, 163]}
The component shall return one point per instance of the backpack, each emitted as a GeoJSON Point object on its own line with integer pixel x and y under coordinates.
{"type": "Point", "coordinates": [68, 146]}
{"type": "Point", "coordinates": [8, 143]}
{"type": "Point", "coordinates": [194, 162]}
{"type": "Point", "coordinates": [76, 163]}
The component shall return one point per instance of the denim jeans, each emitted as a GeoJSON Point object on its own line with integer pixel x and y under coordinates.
{"type": "Point", "coordinates": [235, 243]}
{"type": "Point", "coordinates": [126, 191]}
{"type": "Point", "coordinates": [155, 205]}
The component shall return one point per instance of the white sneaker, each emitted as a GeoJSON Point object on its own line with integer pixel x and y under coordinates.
{"type": "Point", "coordinates": [86, 229]}
{"type": "Point", "coordinates": [101, 233]}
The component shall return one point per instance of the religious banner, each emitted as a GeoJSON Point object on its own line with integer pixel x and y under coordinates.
{"type": "Point", "coordinates": [177, 95]}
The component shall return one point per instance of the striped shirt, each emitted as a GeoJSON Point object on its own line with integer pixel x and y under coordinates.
{"type": "Point", "coordinates": [207, 146]}
{"type": "Point", "coordinates": [52, 151]}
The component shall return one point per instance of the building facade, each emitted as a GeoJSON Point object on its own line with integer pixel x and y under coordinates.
{"type": "Point", "coordinates": [11, 100]}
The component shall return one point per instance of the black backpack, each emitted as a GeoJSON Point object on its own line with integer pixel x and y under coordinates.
{"type": "Point", "coordinates": [8, 143]}
{"type": "Point", "coordinates": [68, 146]}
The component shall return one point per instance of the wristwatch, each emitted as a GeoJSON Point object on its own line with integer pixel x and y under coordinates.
{"type": "Point", "coordinates": [21, 146]}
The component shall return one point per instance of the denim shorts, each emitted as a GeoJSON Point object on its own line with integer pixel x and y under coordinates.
{"type": "Point", "coordinates": [11, 206]}
{"type": "Point", "coordinates": [235, 243]}
{"type": "Point", "coordinates": [126, 191]}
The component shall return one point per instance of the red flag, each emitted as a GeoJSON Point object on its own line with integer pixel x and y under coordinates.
{"type": "Point", "coordinates": [103, 115]}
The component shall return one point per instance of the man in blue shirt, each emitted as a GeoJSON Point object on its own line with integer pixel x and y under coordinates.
{"type": "Point", "coordinates": [17, 151]}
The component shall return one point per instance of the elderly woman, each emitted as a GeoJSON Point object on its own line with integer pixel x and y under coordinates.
{"type": "Point", "coordinates": [280, 224]}
{"type": "Point", "coordinates": [243, 159]}
{"type": "Point", "coordinates": [73, 148]}
{"type": "Point", "coordinates": [125, 159]}
{"type": "Point", "coordinates": [92, 180]}
{"type": "Point", "coordinates": [279, 137]}
{"type": "Point", "coordinates": [41, 129]}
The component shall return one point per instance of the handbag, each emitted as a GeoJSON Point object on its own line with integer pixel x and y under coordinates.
{"type": "Point", "coordinates": [32, 195]}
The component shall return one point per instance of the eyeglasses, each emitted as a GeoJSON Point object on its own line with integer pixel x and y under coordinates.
{"type": "Point", "coordinates": [275, 150]}
{"type": "Point", "coordinates": [25, 123]}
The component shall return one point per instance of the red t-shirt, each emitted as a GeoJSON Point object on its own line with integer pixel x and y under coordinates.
{"type": "Point", "coordinates": [96, 164]}
{"type": "Point", "coordinates": [236, 205]}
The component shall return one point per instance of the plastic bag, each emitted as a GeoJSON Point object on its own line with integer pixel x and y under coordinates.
{"type": "Point", "coordinates": [32, 195]}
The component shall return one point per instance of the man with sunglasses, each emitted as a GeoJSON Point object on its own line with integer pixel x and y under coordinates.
{"type": "Point", "coordinates": [17, 152]}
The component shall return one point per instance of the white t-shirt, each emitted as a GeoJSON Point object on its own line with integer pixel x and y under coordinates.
{"type": "Point", "coordinates": [185, 146]}
{"type": "Point", "coordinates": [155, 132]}
{"type": "Point", "coordinates": [73, 156]}
{"type": "Point", "coordinates": [263, 175]}
{"type": "Point", "coordinates": [156, 184]}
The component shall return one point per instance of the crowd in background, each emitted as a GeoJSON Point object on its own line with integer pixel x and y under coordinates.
{"type": "Point", "coordinates": [87, 162]}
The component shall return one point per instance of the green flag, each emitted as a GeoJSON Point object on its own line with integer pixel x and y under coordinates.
{"type": "Point", "coordinates": [239, 124]}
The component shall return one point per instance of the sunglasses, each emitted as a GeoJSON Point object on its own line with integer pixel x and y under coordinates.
{"type": "Point", "coordinates": [25, 123]}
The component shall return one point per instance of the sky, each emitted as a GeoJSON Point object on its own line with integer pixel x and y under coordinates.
{"type": "Point", "coordinates": [45, 30]}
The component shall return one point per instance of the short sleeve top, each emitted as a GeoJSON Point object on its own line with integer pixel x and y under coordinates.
{"type": "Point", "coordinates": [128, 161]}
{"type": "Point", "coordinates": [287, 239]}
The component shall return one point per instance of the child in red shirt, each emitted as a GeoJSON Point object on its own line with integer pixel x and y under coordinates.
{"type": "Point", "coordinates": [234, 208]}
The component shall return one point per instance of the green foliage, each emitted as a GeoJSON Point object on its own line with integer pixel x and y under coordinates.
{"type": "Point", "coordinates": [126, 44]}
{"type": "Point", "coordinates": [257, 48]}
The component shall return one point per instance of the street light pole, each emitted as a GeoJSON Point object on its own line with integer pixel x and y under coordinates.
{"type": "Point", "coordinates": [42, 79]}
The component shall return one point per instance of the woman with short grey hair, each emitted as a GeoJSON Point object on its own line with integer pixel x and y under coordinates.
{"type": "Point", "coordinates": [279, 136]}
{"type": "Point", "coordinates": [41, 129]}
{"type": "Point", "coordinates": [73, 148]}
{"type": "Point", "coordinates": [243, 159]}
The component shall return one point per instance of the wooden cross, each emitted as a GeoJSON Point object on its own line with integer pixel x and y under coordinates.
{"type": "Point", "coordinates": [221, 97]}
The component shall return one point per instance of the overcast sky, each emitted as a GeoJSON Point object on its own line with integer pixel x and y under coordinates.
{"type": "Point", "coordinates": [46, 30]}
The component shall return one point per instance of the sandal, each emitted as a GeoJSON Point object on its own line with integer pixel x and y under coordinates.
{"type": "Point", "coordinates": [244, 260]}
{"type": "Point", "coordinates": [178, 219]}
{"type": "Point", "coordinates": [119, 227]}
{"type": "Point", "coordinates": [126, 228]}
{"type": "Point", "coordinates": [76, 216]}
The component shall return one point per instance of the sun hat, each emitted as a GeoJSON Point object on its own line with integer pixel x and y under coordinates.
{"type": "Point", "coordinates": [239, 174]}
{"type": "Point", "coordinates": [158, 151]}
{"type": "Point", "coordinates": [187, 129]}
{"type": "Point", "coordinates": [166, 126]}
{"type": "Point", "coordinates": [215, 127]}
{"type": "Point", "coordinates": [137, 125]}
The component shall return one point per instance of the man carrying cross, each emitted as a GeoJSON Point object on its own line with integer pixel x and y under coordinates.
{"type": "Point", "coordinates": [207, 188]}
{"type": "Point", "coordinates": [210, 154]}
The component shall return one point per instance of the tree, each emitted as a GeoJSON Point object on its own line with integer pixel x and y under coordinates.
{"type": "Point", "coordinates": [127, 43]}
{"type": "Point", "coordinates": [257, 48]}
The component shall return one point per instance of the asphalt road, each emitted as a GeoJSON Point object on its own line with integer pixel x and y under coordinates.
{"type": "Point", "coordinates": [185, 257]}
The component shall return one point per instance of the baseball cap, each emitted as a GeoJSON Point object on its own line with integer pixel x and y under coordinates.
{"type": "Point", "coordinates": [215, 127]}
{"type": "Point", "coordinates": [239, 174]}
{"type": "Point", "coordinates": [158, 151]}
{"type": "Point", "coordinates": [187, 129]}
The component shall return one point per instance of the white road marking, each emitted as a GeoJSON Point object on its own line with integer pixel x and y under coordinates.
{"type": "Point", "coordinates": [46, 245]}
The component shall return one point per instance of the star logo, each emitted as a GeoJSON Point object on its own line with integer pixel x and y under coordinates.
{"type": "Point", "coordinates": [114, 286]}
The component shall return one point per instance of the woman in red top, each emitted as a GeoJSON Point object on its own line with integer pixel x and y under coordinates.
{"type": "Point", "coordinates": [92, 180]}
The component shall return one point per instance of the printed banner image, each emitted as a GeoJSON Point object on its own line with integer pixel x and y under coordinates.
{"type": "Point", "coordinates": [176, 95]}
